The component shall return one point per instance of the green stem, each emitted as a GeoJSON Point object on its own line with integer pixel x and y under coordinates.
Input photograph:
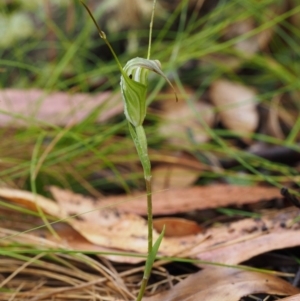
{"type": "Point", "coordinates": [139, 137]}
{"type": "Point", "coordinates": [150, 237]}
{"type": "Point", "coordinates": [140, 141]}
{"type": "Point", "coordinates": [147, 175]}
{"type": "Point", "coordinates": [149, 212]}
{"type": "Point", "coordinates": [142, 289]}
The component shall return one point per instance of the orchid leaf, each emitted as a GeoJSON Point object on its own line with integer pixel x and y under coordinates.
{"type": "Point", "coordinates": [152, 256]}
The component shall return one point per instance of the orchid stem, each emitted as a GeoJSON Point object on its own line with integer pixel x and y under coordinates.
{"type": "Point", "coordinates": [142, 289]}
{"type": "Point", "coordinates": [150, 238]}
{"type": "Point", "coordinates": [149, 212]}
{"type": "Point", "coordinates": [139, 137]}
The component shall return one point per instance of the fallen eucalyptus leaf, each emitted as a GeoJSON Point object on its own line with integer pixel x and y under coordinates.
{"type": "Point", "coordinates": [225, 284]}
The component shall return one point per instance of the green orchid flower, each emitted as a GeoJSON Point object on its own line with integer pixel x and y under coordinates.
{"type": "Point", "coordinates": [134, 82]}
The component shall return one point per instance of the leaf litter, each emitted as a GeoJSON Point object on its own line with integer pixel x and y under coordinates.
{"type": "Point", "coordinates": [105, 226]}
{"type": "Point", "coordinates": [111, 228]}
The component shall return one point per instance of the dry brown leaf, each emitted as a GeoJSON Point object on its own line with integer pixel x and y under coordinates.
{"type": "Point", "coordinates": [178, 119]}
{"type": "Point", "coordinates": [239, 241]}
{"type": "Point", "coordinates": [171, 176]}
{"type": "Point", "coordinates": [197, 197]}
{"type": "Point", "coordinates": [59, 108]}
{"type": "Point", "coordinates": [104, 226]}
{"type": "Point", "coordinates": [110, 228]}
{"type": "Point", "coordinates": [292, 298]}
{"type": "Point", "coordinates": [31, 201]}
{"type": "Point", "coordinates": [231, 244]}
{"type": "Point", "coordinates": [225, 284]}
{"type": "Point", "coordinates": [176, 226]}
{"type": "Point", "coordinates": [72, 240]}
{"type": "Point", "coordinates": [237, 105]}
